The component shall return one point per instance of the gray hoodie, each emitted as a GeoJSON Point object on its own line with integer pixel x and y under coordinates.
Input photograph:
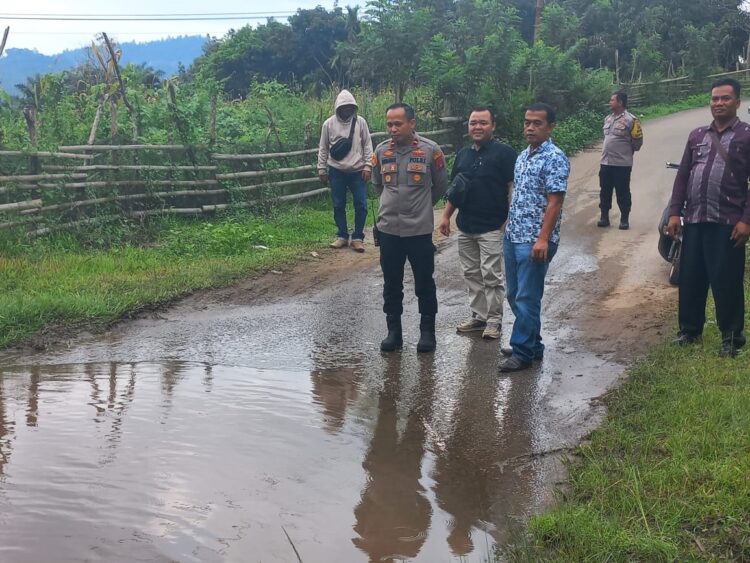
{"type": "Point", "coordinates": [334, 129]}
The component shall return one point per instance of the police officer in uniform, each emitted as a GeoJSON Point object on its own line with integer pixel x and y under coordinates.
{"type": "Point", "coordinates": [622, 137]}
{"type": "Point", "coordinates": [410, 177]}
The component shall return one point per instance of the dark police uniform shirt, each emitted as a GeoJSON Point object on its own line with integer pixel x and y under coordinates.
{"type": "Point", "coordinates": [491, 169]}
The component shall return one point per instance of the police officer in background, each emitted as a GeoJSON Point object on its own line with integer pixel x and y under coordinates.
{"type": "Point", "coordinates": [622, 137]}
{"type": "Point", "coordinates": [410, 177]}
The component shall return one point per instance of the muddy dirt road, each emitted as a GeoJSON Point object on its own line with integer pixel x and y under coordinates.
{"type": "Point", "coordinates": [214, 429]}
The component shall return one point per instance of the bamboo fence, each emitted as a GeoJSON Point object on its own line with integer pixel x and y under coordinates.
{"type": "Point", "coordinates": [82, 185]}
{"type": "Point", "coordinates": [647, 93]}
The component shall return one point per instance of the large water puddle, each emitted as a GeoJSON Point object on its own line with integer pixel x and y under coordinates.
{"type": "Point", "coordinates": [388, 459]}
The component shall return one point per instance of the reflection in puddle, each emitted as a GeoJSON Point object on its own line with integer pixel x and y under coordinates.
{"type": "Point", "coordinates": [334, 389]}
{"type": "Point", "coordinates": [392, 458]}
{"type": "Point", "coordinates": [393, 516]}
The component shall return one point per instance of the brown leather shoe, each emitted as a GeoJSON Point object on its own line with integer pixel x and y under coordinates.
{"type": "Point", "coordinates": [339, 243]}
{"type": "Point", "coordinates": [358, 246]}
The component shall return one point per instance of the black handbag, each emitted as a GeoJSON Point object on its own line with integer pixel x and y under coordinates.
{"type": "Point", "coordinates": [341, 148]}
{"type": "Point", "coordinates": [459, 189]}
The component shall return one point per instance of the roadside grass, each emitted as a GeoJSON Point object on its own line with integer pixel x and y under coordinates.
{"type": "Point", "coordinates": [667, 475]}
{"type": "Point", "coordinates": [64, 281]}
{"type": "Point", "coordinates": [660, 110]}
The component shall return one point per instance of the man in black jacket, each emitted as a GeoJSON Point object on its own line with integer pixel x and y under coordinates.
{"type": "Point", "coordinates": [488, 165]}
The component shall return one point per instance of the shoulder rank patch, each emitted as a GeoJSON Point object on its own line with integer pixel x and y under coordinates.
{"type": "Point", "coordinates": [636, 132]}
{"type": "Point", "coordinates": [439, 159]}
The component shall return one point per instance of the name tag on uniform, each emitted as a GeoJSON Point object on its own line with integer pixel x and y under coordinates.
{"type": "Point", "coordinates": [419, 159]}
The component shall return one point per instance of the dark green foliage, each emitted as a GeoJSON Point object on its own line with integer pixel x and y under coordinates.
{"type": "Point", "coordinates": [299, 52]}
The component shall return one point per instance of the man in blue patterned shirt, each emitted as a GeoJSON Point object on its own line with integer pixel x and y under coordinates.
{"type": "Point", "coordinates": [533, 233]}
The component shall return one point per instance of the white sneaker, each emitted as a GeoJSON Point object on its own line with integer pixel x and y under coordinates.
{"type": "Point", "coordinates": [492, 331]}
{"type": "Point", "coordinates": [471, 325]}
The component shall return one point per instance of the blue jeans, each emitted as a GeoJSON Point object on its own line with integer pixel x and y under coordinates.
{"type": "Point", "coordinates": [524, 282]}
{"type": "Point", "coordinates": [340, 182]}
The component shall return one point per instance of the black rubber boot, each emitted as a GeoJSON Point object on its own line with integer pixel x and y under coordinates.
{"type": "Point", "coordinates": [426, 334]}
{"type": "Point", "coordinates": [394, 340]}
{"type": "Point", "coordinates": [604, 220]}
{"type": "Point", "coordinates": [624, 223]}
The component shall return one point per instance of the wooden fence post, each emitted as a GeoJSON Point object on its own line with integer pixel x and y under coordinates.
{"type": "Point", "coordinates": [29, 113]}
{"type": "Point", "coordinates": [131, 111]}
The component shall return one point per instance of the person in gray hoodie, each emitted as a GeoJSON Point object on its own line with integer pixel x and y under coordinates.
{"type": "Point", "coordinates": [351, 172]}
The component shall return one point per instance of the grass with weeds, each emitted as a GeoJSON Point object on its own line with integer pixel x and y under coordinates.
{"type": "Point", "coordinates": [667, 475]}
{"type": "Point", "coordinates": [60, 281]}
{"type": "Point", "coordinates": [668, 108]}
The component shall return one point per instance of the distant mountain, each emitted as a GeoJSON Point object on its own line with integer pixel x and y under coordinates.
{"type": "Point", "coordinates": [17, 65]}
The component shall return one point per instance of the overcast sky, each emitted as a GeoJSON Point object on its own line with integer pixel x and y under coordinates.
{"type": "Point", "coordinates": [50, 37]}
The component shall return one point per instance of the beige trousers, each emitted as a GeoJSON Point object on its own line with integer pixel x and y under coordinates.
{"type": "Point", "coordinates": [481, 257]}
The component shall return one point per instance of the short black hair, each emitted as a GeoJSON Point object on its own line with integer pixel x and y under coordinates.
{"type": "Point", "coordinates": [548, 109]}
{"type": "Point", "coordinates": [622, 97]}
{"type": "Point", "coordinates": [728, 82]}
{"type": "Point", "coordinates": [484, 108]}
{"type": "Point", "coordinates": [408, 110]}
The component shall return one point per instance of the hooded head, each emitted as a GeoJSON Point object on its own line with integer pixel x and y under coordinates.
{"type": "Point", "coordinates": [345, 105]}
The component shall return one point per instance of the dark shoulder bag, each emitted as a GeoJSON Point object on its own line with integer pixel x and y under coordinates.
{"type": "Point", "coordinates": [341, 148]}
{"type": "Point", "coordinates": [458, 191]}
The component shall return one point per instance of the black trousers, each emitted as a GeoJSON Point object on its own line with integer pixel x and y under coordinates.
{"type": "Point", "coordinates": [617, 178]}
{"type": "Point", "coordinates": [709, 258]}
{"type": "Point", "coordinates": [394, 251]}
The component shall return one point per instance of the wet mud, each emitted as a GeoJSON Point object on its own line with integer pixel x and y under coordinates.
{"type": "Point", "coordinates": [246, 423]}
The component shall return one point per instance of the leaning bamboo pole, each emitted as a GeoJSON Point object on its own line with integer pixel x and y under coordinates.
{"type": "Point", "coordinates": [20, 223]}
{"type": "Point", "coordinates": [167, 211]}
{"type": "Point", "coordinates": [5, 39]}
{"type": "Point", "coordinates": [20, 205]}
{"type": "Point", "coordinates": [108, 148]}
{"type": "Point", "coordinates": [36, 177]}
{"type": "Point", "coordinates": [258, 173]}
{"type": "Point", "coordinates": [129, 197]}
{"type": "Point", "coordinates": [128, 183]}
{"type": "Point", "coordinates": [259, 156]}
{"type": "Point", "coordinates": [97, 118]}
{"type": "Point", "coordinates": [114, 168]}
{"type": "Point", "coordinates": [47, 154]}
{"type": "Point", "coordinates": [246, 204]}
{"type": "Point", "coordinates": [8, 189]}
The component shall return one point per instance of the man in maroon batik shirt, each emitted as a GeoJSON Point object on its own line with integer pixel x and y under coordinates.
{"type": "Point", "coordinates": [711, 194]}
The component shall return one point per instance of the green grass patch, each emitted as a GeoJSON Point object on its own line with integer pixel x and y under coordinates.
{"type": "Point", "coordinates": [668, 108]}
{"type": "Point", "coordinates": [67, 280]}
{"type": "Point", "coordinates": [578, 131]}
{"type": "Point", "coordinates": [667, 475]}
